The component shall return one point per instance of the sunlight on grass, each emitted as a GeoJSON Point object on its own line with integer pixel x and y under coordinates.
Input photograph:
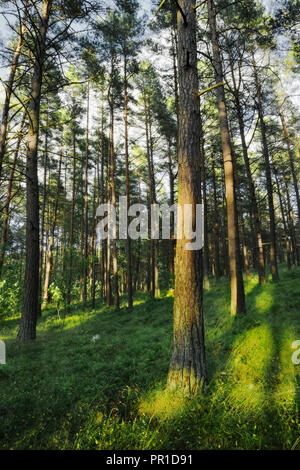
{"type": "Point", "coordinates": [247, 369]}
{"type": "Point", "coordinates": [71, 392]}
{"type": "Point", "coordinates": [285, 391]}
{"type": "Point", "coordinates": [163, 404]}
{"type": "Point", "coordinates": [264, 301]}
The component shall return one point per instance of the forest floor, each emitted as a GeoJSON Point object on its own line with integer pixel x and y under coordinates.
{"type": "Point", "coordinates": [96, 380]}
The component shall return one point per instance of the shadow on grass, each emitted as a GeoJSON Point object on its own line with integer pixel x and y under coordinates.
{"type": "Point", "coordinates": [100, 391]}
{"type": "Point", "coordinates": [79, 362]}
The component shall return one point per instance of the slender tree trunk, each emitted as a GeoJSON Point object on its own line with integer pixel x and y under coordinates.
{"type": "Point", "coordinates": [216, 224]}
{"type": "Point", "coordinates": [49, 252]}
{"type": "Point", "coordinates": [9, 87]}
{"type": "Point", "coordinates": [285, 227]}
{"type": "Point", "coordinates": [204, 198]}
{"type": "Point", "coordinates": [292, 163]}
{"type": "Point", "coordinates": [113, 200]}
{"type": "Point", "coordinates": [258, 244]}
{"type": "Point", "coordinates": [70, 267]}
{"type": "Point", "coordinates": [236, 278]}
{"type": "Point", "coordinates": [128, 240]}
{"type": "Point", "coordinates": [8, 197]}
{"type": "Point", "coordinates": [171, 245]}
{"type": "Point", "coordinates": [291, 223]}
{"type": "Point", "coordinates": [154, 245]}
{"type": "Point", "coordinates": [240, 215]}
{"type": "Point", "coordinates": [273, 254]}
{"type": "Point", "coordinates": [86, 213]}
{"type": "Point", "coordinates": [93, 248]}
{"type": "Point", "coordinates": [30, 308]}
{"type": "Point", "coordinates": [187, 366]}
{"type": "Point", "coordinates": [43, 216]}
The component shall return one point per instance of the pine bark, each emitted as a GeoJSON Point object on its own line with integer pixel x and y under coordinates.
{"type": "Point", "coordinates": [187, 366]}
{"type": "Point", "coordinates": [30, 308]}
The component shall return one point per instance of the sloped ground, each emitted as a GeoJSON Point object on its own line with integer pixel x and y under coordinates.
{"type": "Point", "coordinates": [96, 380]}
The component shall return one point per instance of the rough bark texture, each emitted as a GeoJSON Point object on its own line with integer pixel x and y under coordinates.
{"type": "Point", "coordinates": [187, 366]}
{"type": "Point", "coordinates": [27, 331]}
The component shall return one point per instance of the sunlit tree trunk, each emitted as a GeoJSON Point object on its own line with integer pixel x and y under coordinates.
{"type": "Point", "coordinates": [257, 242]}
{"type": "Point", "coordinates": [187, 366]}
{"type": "Point", "coordinates": [292, 163]}
{"type": "Point", "coordinates": [50, 247]}
{"type": "Point", "coordinates": [273, 254]}
{"type": "Point", "coordinates": [236, 277]}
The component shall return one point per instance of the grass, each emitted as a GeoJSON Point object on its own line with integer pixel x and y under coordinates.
{"type": "Point", "coordinates": [72, 389]}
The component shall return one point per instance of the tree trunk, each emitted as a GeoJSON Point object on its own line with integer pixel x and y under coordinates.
{"type": "Point", "coordinates": [292, 164]}
{"type": "Point", "coordinates": [258, 244]}
{"type": "Point", "coordinates": [216, 224]}
{"type": "Point", "coordinates": [204, 197]}
{"type": "Point", "coordinates": [86, 213]}
{"type": "Point", "coordinates": [236, 278]}
{"type": "Point", "coordinates": [70, 267]}
{"type": "Point", "coordinates": [187, 366]}
{"type": "Point", "coordinates": [273, 254]}
{"type": "Point", "coordinates": [128, 240]}
{"type": "Point", "coordinates": [49, 252]}
{"type": "Point", "coordinates": [9, 88]}
{"type": "Point", "coordinates": [30, 308]}
{"type": "Point", "coordinates": [8, 197]}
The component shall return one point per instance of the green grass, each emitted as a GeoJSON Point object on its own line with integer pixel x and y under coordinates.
{"type": "Point", "coordinates": [67, 391]}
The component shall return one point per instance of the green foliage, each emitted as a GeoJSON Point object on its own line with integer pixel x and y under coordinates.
{"type": "Point", "coordinates": [96, 380]}
{"type": "Point", "coordinates": [11, 288]}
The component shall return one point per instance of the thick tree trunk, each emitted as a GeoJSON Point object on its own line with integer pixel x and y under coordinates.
{"type": "Point", "coordinates": [27, 331]}
{"type": "Point", "coordinates": [187, 365]}
{"type": "Point", "coordinates": [236, 278]}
